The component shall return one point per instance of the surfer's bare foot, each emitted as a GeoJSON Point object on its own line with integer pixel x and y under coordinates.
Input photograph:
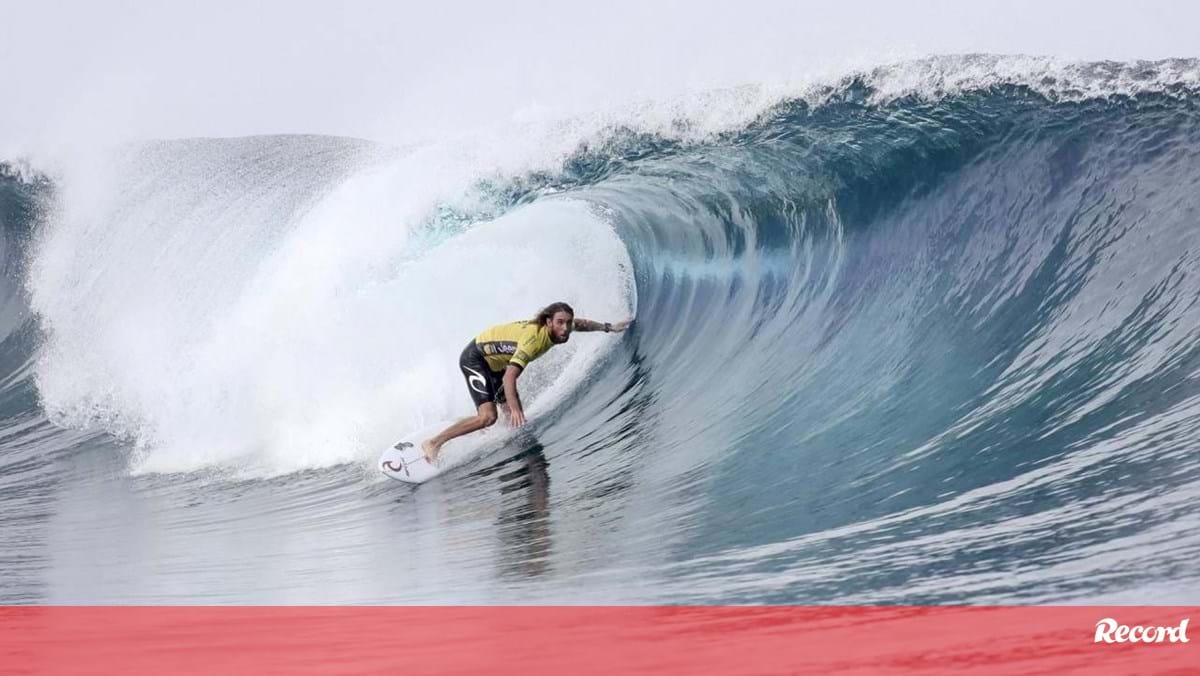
{"type": "Point", "coordinates": [430, 450]}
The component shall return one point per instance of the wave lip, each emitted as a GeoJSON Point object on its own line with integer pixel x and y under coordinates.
{"type": "Point", "coordinates": [1054, 78]}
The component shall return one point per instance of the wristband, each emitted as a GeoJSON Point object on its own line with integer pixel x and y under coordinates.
{"type": "Point", "coordinates": [607, 327]}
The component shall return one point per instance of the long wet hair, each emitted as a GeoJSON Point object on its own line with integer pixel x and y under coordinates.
{"type": "Point", "coordinates": [547, 312]}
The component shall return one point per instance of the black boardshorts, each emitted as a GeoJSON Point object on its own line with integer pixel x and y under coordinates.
{"type": "Point", "coordinates": [483, 384]}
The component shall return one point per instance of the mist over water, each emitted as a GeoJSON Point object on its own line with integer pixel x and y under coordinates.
{"type": "Point", "coordinates": [925, 333]}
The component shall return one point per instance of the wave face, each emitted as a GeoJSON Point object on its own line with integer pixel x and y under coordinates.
{"type": "Point", "coordinates": [894, 344]}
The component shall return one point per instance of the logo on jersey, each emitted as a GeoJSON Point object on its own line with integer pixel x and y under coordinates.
{"type": "Point", "coordinates": [499, 347]}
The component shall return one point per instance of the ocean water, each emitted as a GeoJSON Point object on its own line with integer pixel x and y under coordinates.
{"type": "Point", "coordinates": [921, 334]}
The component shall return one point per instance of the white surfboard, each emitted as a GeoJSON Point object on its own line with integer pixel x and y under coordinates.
{"type": "Point", "coordinates": [405, 462]}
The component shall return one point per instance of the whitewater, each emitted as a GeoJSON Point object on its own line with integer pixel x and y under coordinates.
{"type": "Point", "coordinates": [923, 333]}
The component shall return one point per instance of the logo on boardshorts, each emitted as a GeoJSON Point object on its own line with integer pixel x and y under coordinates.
{"type": "Point", "coordinates": [1109, 630]}
{"type": "Point", "coordinates": [476, 381]}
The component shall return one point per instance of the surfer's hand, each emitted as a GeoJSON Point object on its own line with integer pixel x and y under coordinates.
{"type": "Point", "coordinates": [621, 325]}
{"type": "Point", "coordinates": [516, 416]}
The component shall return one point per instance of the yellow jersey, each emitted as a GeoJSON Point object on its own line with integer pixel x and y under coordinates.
{"type": "Point", "coordinates": [517, 343]}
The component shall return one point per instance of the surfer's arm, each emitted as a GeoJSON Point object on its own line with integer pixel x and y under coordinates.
{"type": "Point", "coordinates": [589, 325]}
{"type": "Point", "coordinates": [511, 373]}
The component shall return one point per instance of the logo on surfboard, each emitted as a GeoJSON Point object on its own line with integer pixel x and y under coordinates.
{"type": "Point", "coordinates": [388, 464]}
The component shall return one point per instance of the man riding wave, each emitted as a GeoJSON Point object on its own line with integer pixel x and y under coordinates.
{"type": "Point", "coordinates": [496, 358]}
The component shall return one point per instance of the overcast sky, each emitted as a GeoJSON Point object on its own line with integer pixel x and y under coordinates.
{"type": "Point", "coordinates": [75, 71]}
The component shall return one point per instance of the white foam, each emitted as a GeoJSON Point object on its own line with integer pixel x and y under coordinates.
{"type": "Point", "coordinates": [185, 319]}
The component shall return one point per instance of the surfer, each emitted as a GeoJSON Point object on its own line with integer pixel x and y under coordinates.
{"type": "Point", "coordinates": [492, 362]}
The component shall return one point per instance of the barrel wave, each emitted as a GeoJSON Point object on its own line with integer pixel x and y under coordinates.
{"type": "Point", "coordinates": [900, 339]}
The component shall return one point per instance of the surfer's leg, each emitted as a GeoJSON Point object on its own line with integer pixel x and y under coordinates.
{"type": "Point", "coordinates": [485, 417]}
{"type": "Point", "coordinates": [481, 385]}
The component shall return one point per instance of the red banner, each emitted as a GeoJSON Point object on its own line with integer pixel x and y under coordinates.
{"type": "Point", "coordinates": [600, 640]}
